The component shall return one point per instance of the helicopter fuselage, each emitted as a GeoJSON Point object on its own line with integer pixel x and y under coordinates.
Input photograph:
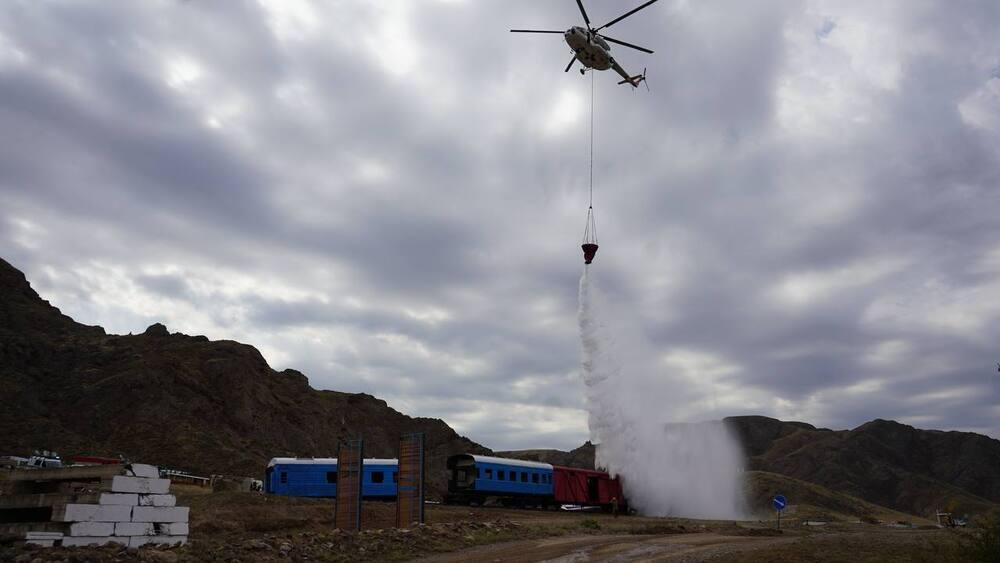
{"type": "Point", "coordinates": [590, 48]}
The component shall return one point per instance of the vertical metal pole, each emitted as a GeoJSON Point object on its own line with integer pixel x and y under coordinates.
{"type": "Point", "coordinates": [361, 477]}
{"type": "Point", "coordinates": [422, 477]}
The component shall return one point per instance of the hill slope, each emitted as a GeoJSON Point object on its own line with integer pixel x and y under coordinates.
{"type": "Point", "coordinates": [883, 462]}
{"type": "Point", "coordinates": [582, 457]}
{"type": "Point", "coordinates": [217, 407]}
{"type": "Point", "coordinates": [175, 400]}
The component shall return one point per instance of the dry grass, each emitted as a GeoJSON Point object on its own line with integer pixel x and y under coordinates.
{"type": "Point", "coordinates": [230, 526]}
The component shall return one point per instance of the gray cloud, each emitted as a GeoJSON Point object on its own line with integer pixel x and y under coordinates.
{"type": "Point", "coordinates": [389, 197]}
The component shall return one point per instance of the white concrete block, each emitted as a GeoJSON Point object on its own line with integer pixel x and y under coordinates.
{"type": "Point", "coordinates": [157, 500]}
{"type": "Point", "coordinates": [124, 499]}
{"type": "Point", "coordinates": [43, 535]}
{"type": "Point", "coordinates": [124, 484]}
{"type": "Point", "coordinates": [134, 529]}
{"type": "Point", "coordinates": [98, 540]}
{"type": "Point", "coordinates": [91, 529]}
{"type": "Point", "coordinates": [139, 541]}
{"type": "Point", "coordinates": [143, 470]}
{"type": "Point", "coordinates": [42, 539]}
{"type": "Point", "coordinates": [41, 543]}
{"type": "Point", "coordinates": [92, 513]}
{"type": "Point", "coordinates": [160, 514]}
{"type": "Point", "coordinates": [171, 528]}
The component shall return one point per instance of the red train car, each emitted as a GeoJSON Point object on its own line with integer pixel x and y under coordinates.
{"type": "Point", "coordinates": [586, 487]}
{"type": "Point", "coordinates": [95, 460]}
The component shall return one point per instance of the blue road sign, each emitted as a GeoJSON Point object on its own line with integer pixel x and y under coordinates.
{"type": "Point", "coordinates": [779, 502]}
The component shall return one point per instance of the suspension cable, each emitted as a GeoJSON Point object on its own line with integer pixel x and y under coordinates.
{"type": "Point", "coordinates": [591, 138]}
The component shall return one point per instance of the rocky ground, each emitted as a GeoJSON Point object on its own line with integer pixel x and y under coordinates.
{"type": "Point", "coordinates": [252, 527]}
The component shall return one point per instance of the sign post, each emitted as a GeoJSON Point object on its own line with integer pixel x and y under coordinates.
{"type": "Point", "coordinates": [779, 502]}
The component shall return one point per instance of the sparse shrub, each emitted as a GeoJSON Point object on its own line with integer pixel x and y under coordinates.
{"type": "Point", "coordinates": [983, 545]}
{"type": "Point", "coordinates": [657, 529]}
{"type": "Point", "coordinates": [590, 524]}
{"type": "Point", "coordinates": [869, 519]}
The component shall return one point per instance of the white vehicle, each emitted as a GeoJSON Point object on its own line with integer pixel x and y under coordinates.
{"type": "Point", "coordinates": [38, 459]}
{"type": "Point", "coordinates": [591, 48]}
{"type": "Point", "coordinates": [579, 508]}
{"type": "Point", "coordinates": [45, 458]}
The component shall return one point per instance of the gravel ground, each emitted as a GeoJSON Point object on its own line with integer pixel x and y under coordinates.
{"type": "Point", "coordinates": [250, 527]}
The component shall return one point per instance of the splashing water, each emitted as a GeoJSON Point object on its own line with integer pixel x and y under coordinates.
{"type": "Point", "coordinates": [667, 467]}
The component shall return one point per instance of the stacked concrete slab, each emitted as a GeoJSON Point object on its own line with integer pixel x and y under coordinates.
{"type": "Point", "coordinates": [91, 505]}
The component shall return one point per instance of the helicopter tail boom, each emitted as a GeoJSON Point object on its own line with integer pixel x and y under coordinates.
{"type": "Point", "coordinates": [634, 81]}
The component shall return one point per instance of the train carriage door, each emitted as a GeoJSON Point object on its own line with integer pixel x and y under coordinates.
{"type": "Point", "coordinates": [464, 474]}
{"type": "Point", "coordinates": [593, 495]}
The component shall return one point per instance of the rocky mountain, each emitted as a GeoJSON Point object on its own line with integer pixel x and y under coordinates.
{"type": "Point", "coordinates": [175, 400]}
{"type": "Point", "coordinates": [883, 462]}
{"type": "Point", "coordinates": [217, 407]}
{"type": "Point", "coordinates": [582, 457]}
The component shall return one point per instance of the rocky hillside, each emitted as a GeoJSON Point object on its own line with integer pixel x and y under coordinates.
{"type": "Point", "coordinates": [217, 407]}
{"type": "Point", "coordinates": [582, 457]}
{"type": "Point", "coordinates": [883, 462]}
{"type": "Point", "coordinates": [176, 400]}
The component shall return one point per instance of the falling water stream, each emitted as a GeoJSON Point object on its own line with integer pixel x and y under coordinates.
{"type": "Point", "coordinates": [669, 467]}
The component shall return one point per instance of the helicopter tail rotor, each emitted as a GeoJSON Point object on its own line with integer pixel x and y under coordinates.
{"type": "Point", "coordinates": [634, 81]}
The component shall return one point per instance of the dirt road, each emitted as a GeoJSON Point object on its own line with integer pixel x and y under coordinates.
{"type": "Point", "coordinates": [573, 549]}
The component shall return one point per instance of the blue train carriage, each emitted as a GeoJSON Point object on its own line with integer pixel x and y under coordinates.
{"type": "Point", "coordinates": [317, 477]}
{"type": "Point", "coordinates": [473, 479]}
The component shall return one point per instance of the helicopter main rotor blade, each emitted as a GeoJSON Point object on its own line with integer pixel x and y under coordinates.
{"type": "Point", "coordinates": [636, 47]}
{"type": "Point", "coordinates": [573, 60]}
{"type": "Point", "coordinates": [536, 31]}
{"type": "Point", "coordinates": [623, 16]}
{"type": "Point", "coordinates": [584, 12]}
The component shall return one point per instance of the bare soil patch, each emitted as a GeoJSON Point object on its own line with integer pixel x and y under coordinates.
{"type": "Point", "coordinates": [232, 526]}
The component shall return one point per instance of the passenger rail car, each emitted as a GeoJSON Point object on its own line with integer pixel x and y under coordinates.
{"type": "Point", "coordinates": [317, 477]}
{"type": "Point", "coordinates": [475, 478]}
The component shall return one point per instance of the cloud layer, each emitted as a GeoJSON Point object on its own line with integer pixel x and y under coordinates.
{"type": "Point", "coordinates": [800, 216]}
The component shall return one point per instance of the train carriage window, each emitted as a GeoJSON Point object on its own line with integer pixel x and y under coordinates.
{"type": "Point", "coordinates": [378, 476]}
{"type": "Point", "coordinates": [331, 477]}
{"type": "Point", "coordinates": [524, 477]}
{"type": "Point", "coordinates": [395, 476]}
{"type": "Point", "coordinates": [489, 474]}
{"type": "Point", "coordinates": [500, 475]}
{"type": "Point", "coordinates": [477, 473]}
{"type": "Point", "coordinates": [284, 477]}
{"type": "Point", "coordinates": [534, 477]}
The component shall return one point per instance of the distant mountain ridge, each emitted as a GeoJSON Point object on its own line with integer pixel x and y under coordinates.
{"type": "Point", "coordinates": [176, 400]}
{"type": "Point", "coordinates": [883, 462]}
{"type": "Point", "coordinates": [217, 407]}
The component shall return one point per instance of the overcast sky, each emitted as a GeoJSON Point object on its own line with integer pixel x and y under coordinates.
{"type": "Point", "coordinates": [802, 216]}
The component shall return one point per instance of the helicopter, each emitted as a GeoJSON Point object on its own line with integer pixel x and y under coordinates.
{"type": "Point", "coordinates": [591, 48]}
